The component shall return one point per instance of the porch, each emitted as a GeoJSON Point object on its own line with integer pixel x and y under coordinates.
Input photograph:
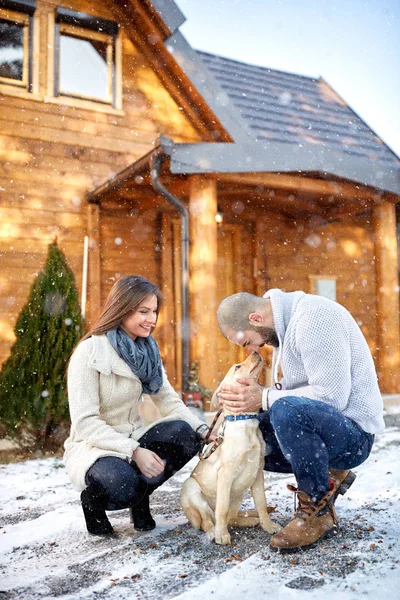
{"type": "Point", "coordinates": [275, 229]}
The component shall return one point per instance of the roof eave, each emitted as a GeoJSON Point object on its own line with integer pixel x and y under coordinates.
{"type": "Point", "coordinates": [275, 157]}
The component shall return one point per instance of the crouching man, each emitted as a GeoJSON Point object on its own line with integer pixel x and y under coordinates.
{"type": "Point", "coordinates": [319, 420]}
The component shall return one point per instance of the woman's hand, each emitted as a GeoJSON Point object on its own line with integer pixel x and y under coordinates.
{"type": "Point", "coordinates": [211, 438]}
{"type": "Point", "coordinates": [148, 462]}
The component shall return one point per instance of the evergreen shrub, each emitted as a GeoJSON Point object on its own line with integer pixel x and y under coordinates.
{"type": "Point", "coordinates": [32, 379]}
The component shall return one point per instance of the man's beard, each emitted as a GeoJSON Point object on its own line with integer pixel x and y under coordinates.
{"type": "Point", "coordinates": [268, 336]}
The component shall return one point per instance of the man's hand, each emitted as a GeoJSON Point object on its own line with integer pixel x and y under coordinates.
{"type": "Point", "coordinates": [246, 397]}
{"type": "Point", "coordinates": [148, 462]}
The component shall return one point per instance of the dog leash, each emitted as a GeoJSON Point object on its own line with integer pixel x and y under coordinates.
{"type": "Point", "coordinates": [206, 451]}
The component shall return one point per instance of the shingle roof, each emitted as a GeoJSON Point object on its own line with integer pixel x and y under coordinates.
{"type": "Point", "coordinates": [284, 107]}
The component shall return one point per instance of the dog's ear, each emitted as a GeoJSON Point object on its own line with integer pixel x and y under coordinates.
{"type": "Point", "coordinates": [214, 404]}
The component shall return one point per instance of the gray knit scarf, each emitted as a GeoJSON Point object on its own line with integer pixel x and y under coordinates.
{"type": "Point", "coordinates": [142, 356]}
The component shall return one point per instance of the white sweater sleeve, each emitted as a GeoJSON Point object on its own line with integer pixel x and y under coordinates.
{"type": "Point", "coordinates": [169, 403]}
{"type": "Point", "coordinates": [84, 406]}
{"type": "Point", "coordinates": [322, 344]}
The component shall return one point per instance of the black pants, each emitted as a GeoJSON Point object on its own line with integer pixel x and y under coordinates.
{"type": "Point", "coordinates": [119, 484]}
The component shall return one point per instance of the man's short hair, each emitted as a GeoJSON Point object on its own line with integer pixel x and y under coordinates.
{"type": "Point", "coordinates": [233, 312]}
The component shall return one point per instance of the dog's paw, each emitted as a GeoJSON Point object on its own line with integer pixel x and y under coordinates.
{"type": "Point", "coordinates": [223, 539]}
{"type": "Point", "coordinates": [211, 534]}
{"type": "Point", "coordinates": [271, 527]}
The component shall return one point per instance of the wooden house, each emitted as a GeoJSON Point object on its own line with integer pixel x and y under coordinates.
{"type": "Point", "coordinates": [206, 175]}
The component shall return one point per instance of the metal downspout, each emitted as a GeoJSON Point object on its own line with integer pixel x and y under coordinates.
{"type": "Point", "coordinates": [156, 161]}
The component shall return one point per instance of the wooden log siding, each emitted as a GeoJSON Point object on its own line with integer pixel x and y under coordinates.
{"type": "Point", "coordinates": [51, 154]}
{"type": "Point", "coordinates": [288, 251]}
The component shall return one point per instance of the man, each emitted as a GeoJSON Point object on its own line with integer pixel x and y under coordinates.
{"type": "Point", "coordinates": [319, 420]}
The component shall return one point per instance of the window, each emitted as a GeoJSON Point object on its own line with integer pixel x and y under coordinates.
{"type": "Point", "coordinates": [85, 57]}
{"type": "Point", "coordinates": [323, 286]}
{"type": "Point", "coordinates": [16, 43]}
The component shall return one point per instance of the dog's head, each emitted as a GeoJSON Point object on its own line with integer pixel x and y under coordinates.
{"type": "Point", "coordinates": [249, 369]}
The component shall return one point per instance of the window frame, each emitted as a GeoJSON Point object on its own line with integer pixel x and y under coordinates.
{"type": "Point", "coordinates": [314, 282]}
{"type": "Point", "coordinates": [86, 27]}
{"type": "Point", "coordinates": [22, 13]}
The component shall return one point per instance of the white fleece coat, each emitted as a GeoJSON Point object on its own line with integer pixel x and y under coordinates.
{"type": "Point", "coordinates": [104, 397]}
{"type": "Point", "coordinates": [324, 356]}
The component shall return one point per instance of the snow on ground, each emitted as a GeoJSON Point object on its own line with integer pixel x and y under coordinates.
{"type": "Point", "coordinates": [45, 551]}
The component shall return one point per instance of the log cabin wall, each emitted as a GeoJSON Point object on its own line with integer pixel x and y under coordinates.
{"type": "Point", "coordinates": [286, 252]}
{"type": "Point", "coordinates": [52, 153]}
{"type": "Point", "coordinates": [300, 249]}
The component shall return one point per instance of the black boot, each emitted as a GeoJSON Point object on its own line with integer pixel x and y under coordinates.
{"type": "Point", "coordinates": [95, 516]}
{"type": "Point", "coordinates": [141, 516]}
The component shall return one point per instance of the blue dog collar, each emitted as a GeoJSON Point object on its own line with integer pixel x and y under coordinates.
{"type": "Point", "coordinates": [239, 417]}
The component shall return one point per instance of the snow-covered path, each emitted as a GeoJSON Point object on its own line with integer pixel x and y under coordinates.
{"type": "Point", "coordinates": [45, 551]}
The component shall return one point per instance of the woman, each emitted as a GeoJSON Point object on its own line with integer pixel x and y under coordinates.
{"type": "Point", "coordinates": [111, 456]}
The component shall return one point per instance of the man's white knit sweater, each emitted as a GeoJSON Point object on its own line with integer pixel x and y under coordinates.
{"type": "Point", "coordinates": [324, 356]}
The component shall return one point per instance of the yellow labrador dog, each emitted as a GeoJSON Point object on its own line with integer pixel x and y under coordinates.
{"type": "Point", "coordinates": [212, 495]}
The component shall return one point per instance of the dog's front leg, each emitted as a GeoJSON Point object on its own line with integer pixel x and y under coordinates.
{"type": "Point", "coordinates": [224, 484]}
{"type": "Point", "coordinates": [258, 493]}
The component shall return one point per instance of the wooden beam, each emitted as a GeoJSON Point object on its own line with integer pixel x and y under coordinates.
{"type": "Point", "coordinates": [319, 187]}
{"type": "Point", "coordinates": [203, 278]}
{"type": "Point", "coordinates": [253, 199]}
{"type": "Point", "coordinates": [94, 275]}
{"type": "Point", "coordinates": [387, 295]}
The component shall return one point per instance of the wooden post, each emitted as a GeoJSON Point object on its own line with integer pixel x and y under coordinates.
{"type": "Point", "coordinates": [203, 279]}
{"type": "Point", "coordinates": [94, 275]}
{"type": "Point", "coordinates": [387, 294]}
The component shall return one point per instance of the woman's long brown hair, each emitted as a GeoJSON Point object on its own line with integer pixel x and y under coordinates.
{"type": "Point", "coordinates": [125, 297]}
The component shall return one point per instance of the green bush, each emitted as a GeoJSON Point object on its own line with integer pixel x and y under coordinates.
{"type": "Point", "coordinates": [32, 379]}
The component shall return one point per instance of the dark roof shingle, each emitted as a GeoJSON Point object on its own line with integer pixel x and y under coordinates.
{"type": "Point", "coordinates": [284, 107]}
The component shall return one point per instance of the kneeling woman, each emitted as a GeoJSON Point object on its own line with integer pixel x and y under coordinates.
{"type": "Point", "coordinates": [111, 456]}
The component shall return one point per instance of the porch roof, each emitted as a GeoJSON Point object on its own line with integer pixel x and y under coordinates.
{"type": "Point", "coordinates": [294, 109]}
{"type": "Point", "coordinates": [255, 172]}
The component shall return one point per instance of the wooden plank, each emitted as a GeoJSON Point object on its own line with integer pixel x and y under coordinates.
{"type": "Point", "coordinates": [387, 295]}
{"type": "Point", "coordinates": [34, 246]}
{"type": "Point", "coordinates": [319, 187]}
{"type": "Point", "coordinates": [145, 128]}
{"type": "Point", "coordinates": [49, 134]}
{"type": "Point", "coordinates": [18, 198]}
{"type": "Point", "coordinates": [27, 216]}
{"type": "Point", "coordinates": [34, 150]}
{"type": "Point", "coordinates": [13, 160]}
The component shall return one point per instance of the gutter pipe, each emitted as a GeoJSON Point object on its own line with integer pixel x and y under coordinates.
{"type": "Point", "coordinates": [156, 160]}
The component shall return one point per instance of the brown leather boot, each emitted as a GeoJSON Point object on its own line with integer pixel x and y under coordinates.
{"type": "Point", "coordinates": [311, 522]}
{"type": "Point", "coordinates": [340, 481]}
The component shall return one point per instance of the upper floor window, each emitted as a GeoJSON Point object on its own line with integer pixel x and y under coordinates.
{"type": "Point", "coordinates": [85, 57]}
{"type": "Point", "coordinates": [16, 42]}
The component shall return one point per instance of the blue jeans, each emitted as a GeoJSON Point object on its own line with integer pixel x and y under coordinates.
{"type": "Point", "coordinates": [117, 483]}
{"type": "Point", "coordinates": [305, 437]}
